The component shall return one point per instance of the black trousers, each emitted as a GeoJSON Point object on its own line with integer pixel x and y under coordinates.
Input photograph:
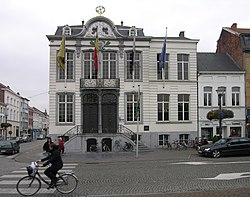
{"type": "Point", "coordinates": [51, 172]}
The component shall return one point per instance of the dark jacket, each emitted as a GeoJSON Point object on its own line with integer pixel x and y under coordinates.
{"type": "Point", "coordinates": [54, 158]}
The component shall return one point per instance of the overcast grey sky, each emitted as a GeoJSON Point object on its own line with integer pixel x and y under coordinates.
{"type": "Point", "coordinates": [24, 24]}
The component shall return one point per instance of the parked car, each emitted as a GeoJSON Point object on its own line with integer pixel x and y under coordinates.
{"type": "Point", "coordinates": [40, 137]}
{"type": "Point", "coordinates": [226, 146]}
{"type": "Point", "coordinates": [9, 147]}
{"type": "Point", "coordinates": [26, 138]}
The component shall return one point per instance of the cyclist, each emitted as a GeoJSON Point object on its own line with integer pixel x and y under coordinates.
{"type": "Point", "coordinates": [54, 163]}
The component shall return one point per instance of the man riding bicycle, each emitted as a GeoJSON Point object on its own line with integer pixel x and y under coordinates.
{"type": "Point", "coordinates": [54, 163]}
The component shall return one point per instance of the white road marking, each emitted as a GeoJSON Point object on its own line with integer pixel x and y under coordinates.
{"type": "Point", "coordinates": [229, 176]}
{"type": "Point", "coordinates": [14, 191]}
{"type": "Point", "coordinates": [211, 163]}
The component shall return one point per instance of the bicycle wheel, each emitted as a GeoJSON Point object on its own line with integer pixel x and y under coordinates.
{"type": "Point", "coordinates": [66, 183]}
{"type": "Point", "coordinates": [106, 148]}
{"type": "Point", "coordinates": [28, 186]}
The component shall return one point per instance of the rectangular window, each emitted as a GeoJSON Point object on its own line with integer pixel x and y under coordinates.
{"type": "Point", "coordinates": [182, 63]}
{"type": "Point", "coordinates": [109, 65]}
{"type": "Point", "coordinates": [235, 96]}
{"type": "Point", "coordinates": [184, 138]}
{"type": "Point", "coordinates": [137, 68]}
{"type": "Point", "coordinates": [207, 96]}
{"type": "Point", "coordinates": [161, 73]}
{"type": "Point", "coordinates": [163, 139]}
{"type": "Point", "coordinates": [69, 67]}
{"type": "Point", "coordinates": [132, 109]}
{"type": "Point", "coordinates": [88, 66]}
{"type": "Point", "coordinates": [183, 107]}
{"type": "Point", "coordinates": [65, 107]}
{"type": "Point", "coordinates": [221, 91]}
{"type": "Point", "coordinates": [163, 107]}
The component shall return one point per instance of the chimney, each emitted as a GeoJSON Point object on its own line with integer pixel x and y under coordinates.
{"type": "Point", "coordinates": [121, 23]}
{"type": "Point", "coordinates": [234, 26]}
{"type": "Point", "coordinates": [182, 34]}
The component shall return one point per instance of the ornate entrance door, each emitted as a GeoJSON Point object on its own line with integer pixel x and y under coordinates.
{"type": "Point", "coordinates": [109, 113]}
{"type": "Point", "coordinates": [90, 113]}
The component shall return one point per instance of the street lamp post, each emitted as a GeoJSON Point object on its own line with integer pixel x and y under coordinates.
{"type": "Point", "coordinates": [220, 93]}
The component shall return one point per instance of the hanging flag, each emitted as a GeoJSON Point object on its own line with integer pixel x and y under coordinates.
{"type": "Point", "coordinates": [163, 53]}
{"type": "Point", "coordinates": [132, 57]}
{"type": "Point", "coordinates": [96, 53]}
{"type": "Point", "coordinates": [137, 107]}
{"type": "Point", "coordinates": [61, 54]}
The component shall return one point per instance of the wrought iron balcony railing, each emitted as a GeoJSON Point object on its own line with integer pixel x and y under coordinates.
{"type": "Point", "coordinates": [99, 83]}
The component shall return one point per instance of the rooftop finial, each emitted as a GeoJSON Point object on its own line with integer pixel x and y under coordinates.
{"type": "Point", "coordinates": [100, 10]}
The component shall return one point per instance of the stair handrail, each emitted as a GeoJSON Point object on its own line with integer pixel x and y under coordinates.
{"type": "Point", "coordinates": [126, 131]}
{"type": "Point", "coordinates": [76, 130]}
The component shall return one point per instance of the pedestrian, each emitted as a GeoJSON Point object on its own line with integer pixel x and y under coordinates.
{"type": "Point", "coordinates": [61, 145]}
{"type": "Point", "coordinates": [54, 163]}
{"type": "Point", "coordinates": [46, 146]}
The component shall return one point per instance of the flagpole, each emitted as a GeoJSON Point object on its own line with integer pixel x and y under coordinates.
{"type": "Point", "coordinates": [65, 60]}
{"type": "Point", "coordinates": [133, 60]}
{"type": "Point", "coordinates": [137, 131]}
{"type": "Point", "coordinates": [164, 64]}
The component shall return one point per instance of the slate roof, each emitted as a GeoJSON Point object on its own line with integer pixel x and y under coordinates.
{"type": "Point", "coordinates": [216, 62]}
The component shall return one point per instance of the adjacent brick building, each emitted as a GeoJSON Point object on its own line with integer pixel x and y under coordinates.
{"type": "Point", "coordinates": [236, 43]}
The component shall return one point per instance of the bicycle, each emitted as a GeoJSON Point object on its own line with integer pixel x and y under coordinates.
{"type": "Point", "coordinates": [117, 147]}
{"type": "Point", "coordinates": [96, 148]}
{"type": "Point", "coordinates": [29, 185]}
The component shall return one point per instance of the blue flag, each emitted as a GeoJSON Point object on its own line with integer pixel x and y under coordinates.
{"type": "Point", "coordinates": [163, 54]}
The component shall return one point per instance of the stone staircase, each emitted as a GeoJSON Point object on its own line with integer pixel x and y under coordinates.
{"type": "Point", "coordinates": [143, 148]}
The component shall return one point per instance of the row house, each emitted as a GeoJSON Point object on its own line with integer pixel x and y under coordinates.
{"type": "Point", "coordinates": [236, 43]}
{"type": "Point", "coordinates": [40, 122]}
{"type": "Point", "coordinates": [89, 105]}
{"type": "Point", "coordinates": [218, 72]}
{"type": "Point", "coordinates": [15, 110]}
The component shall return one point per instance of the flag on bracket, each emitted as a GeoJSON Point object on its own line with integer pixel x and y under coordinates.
{"type": "Point", "coordinates": [96, 53]}
{"type": "Point", "coordinates": [163, 54]}
{"type": "Point", "coordinates": [61, 54]}
{"type": "Point", "coordinates": [132, 57]}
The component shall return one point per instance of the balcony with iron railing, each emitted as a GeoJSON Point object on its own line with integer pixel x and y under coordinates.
{"type": "Point", "coordinates": [99, 83]}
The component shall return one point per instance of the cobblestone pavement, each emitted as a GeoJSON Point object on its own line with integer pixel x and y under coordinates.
{"type": "Point", "coordinates": [105, 161]}
{"type": "Point", "coordinates": [94, 183]}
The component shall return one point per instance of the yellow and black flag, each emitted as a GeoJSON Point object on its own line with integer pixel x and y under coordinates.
{"type": "Point", "coordinates": [61, 54]}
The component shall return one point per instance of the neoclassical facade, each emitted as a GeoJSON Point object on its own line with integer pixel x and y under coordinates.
{"type": "Point", "coordinates": [92, 105]}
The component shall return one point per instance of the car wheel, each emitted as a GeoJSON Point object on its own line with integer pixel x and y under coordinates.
{"type": "Point", "coordinates": [216, 154]}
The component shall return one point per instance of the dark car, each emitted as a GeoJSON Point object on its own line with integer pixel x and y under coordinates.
{"type": "Point", "coordinates": [26, 138]}
{"type": "Point", "coordinates": [226, 146]}
{"type": "Point", "coordinates": [9, 147]}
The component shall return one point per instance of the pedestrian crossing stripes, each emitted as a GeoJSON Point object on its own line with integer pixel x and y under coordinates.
{"type": "Point", "coordinates": [8, 181]}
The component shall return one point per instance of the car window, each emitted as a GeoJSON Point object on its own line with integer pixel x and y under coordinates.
{"type": "Point", "coordinates": [223, 141]}
{"type": "Point", "coordinates": [6, 145]}
{"type": "Point", "coordinates": [243, 140]}
{"type": "Point", "coordinates": [234, 141]}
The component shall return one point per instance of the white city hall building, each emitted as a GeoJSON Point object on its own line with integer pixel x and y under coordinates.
{"type": "Point", "coordinates": [89, 106]}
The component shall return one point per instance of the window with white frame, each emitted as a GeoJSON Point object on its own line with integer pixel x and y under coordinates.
{"type": "Point", "coordinates": [67, 30]}
{"type": "Point", "coordinates": [65, 107]}
{"type": "Point", "coordinates": [88, 66]}
{"type": "Point", "coordinates": [183, 106]}
{"type": "Point", "coordinates": [207, 96]}
{"type": "Point", "coordinates": [131, 107]}
{"type": "Point", "coordinates": [69, 67]}
{"type": "Point", "coordinates": [182, 64]}
{"type": "Point", "coordinates": [235, 96]}
{"type": "Point", "coordinates": [162, 73]}
{"type": "Point", "coordinates": [163, 139]}
{"type": "Point", "coordinates": [184, 138]}
{"type": "Point", "coordinates": [137, 68]}
{"type": "Point", "coordinates": [163, 107]}
{"type": "Point", "coordinates": [109, 65]}
{"type": "Point", "coordinates": [223, 96]}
